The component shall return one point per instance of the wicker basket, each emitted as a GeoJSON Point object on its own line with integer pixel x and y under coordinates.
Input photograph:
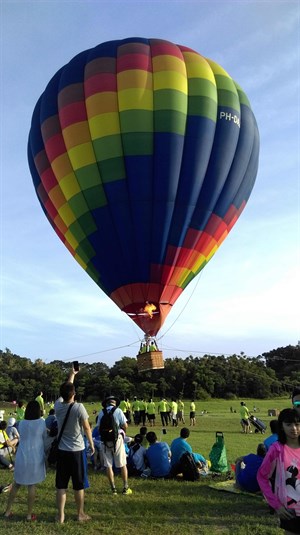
{"type": "Point", "coordinates": [152, 360]}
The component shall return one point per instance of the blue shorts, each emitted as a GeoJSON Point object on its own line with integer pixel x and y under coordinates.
{"type": "Point", "coordinates": [70, 465]}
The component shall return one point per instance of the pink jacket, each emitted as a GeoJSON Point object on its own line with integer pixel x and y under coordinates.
{"type": "Point", "coordinates": [273, 459]}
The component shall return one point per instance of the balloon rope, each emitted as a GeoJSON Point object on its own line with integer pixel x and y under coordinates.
{"type": "Point", "coordinates": [183, 309]}
{"type": "Point", "coordinates": [102, 351]}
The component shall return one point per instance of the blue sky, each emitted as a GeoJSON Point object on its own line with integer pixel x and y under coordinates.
{"type": "Point", "coordinates": [247, 298]}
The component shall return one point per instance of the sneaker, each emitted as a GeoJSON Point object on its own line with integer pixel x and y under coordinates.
{"type": "Point", "coordinates": [127, 491]}
{"type": "Point", "coordinates": [114, 491]}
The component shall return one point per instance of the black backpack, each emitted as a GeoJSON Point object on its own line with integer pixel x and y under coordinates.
{"type": "Point", "coordinates": [188, 467]}
{"type": "Point", "coordinates": [108, 428]}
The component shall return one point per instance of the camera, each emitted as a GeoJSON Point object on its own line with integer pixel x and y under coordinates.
{"type": "Point", "coordinates": [76, 366]}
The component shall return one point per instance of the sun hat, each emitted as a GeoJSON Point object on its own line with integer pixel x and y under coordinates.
{"type": "Point", "coordinates": [11, 421]}
{"type": "Point", "coordinates": [107, 400]}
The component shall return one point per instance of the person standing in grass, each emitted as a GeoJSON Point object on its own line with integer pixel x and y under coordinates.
{"type": "Point", "coordinates": [180, 413]}
{"type": "Point", "coordinates": [279, 474]}
{"type": "Point", "coordinates": [192, 413]}
{"type": "Point", "coordinates": [71, 450]}
{"type": "Point", "coordinates": [245, 414]}
{"type": "Point", "coordinates": [20, 412]}
{"type": "Point", "coordinates": [162, 410]}
{"type": "Point", "coordinates": [143, 408]}
{"type": "Point", "coordinates": [39, 398]}
{"type": "Point", "coordinates": [151, 412]}
{"type": "Point", "coordinates": [296, 399]}
{"type": "Point", "coordinates": [30, 466]}
{"type": "Point", "coordinates": [136, 411]}
{"type": "Point", "coordinates": [174, 408]}
{"type": "Point", "coordinates": [114, 453]}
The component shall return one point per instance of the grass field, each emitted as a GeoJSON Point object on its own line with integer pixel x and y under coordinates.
{"type": "Point", "coordinates": [161, 507]}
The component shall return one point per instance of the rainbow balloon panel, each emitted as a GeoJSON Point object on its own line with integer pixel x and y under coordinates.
{"type": "Point", "coordinates": [143, 155]}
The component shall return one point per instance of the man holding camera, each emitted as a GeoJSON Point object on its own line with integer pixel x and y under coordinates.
{"type": "Point", "coordinates": [71, 449]}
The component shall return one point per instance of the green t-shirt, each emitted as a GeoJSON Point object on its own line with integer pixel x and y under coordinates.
{"type": "Point", "coordinates": [40, 401]}
{"type": "Point", "coordinates": [20, 413]}
{"type": "Point", "coordinates": [151, 407]}
{"type": "Point", "coordinates": [244, 412]}
{"type": "Point", "coordinates": [123, 405]}
{"type": "Point", "coordinates": [162, 406]}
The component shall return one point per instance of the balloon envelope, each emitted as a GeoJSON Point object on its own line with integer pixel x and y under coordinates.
{"type": "Point", "coordinates": [143, 155]}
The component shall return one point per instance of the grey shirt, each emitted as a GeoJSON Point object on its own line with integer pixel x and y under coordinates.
{"type": "Point", "coordinates": [72, 437]}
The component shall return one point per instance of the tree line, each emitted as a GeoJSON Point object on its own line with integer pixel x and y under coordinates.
{"type": "Point", "coordinates": [274, 373]}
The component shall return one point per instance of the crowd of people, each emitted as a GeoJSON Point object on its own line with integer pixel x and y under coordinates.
{"type": "Point", "coordinates": [140, 411]}
{"type": "Point", "coordinates": [273, 469]}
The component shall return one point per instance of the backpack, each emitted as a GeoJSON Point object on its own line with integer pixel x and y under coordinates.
{"type": "Point", "coordinates": [188, 467]}
{"type": "Point", "coordinates": [108, 428]}
{"type": "Point", "coordinates": [218, 456]}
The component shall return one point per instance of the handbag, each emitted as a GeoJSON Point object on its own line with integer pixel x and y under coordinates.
{"type": "Point", "coordinates": [53, 452]}
{"type": "Point", "coordinates": [218, 456]}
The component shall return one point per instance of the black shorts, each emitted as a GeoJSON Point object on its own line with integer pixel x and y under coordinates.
{"type": "Point", "coordinates": [151, 416]}
{"type": "Point", "coordinates": [292, 525]}
{"type": "Point", "coordinates": [70, 465]}
{"type": "Point", "coordinates": [192, 414]}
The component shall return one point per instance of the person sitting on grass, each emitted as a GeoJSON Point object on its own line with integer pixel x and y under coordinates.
{"type": "Point", "coordinates": [274, 436]}
{"type": "Point", "coordinates": [158, 456]}
{"type": "Point", "coordinates": [6, 447]}
{"type": "Point", "coordinates": [246, 469]}
{"type": "Point", "coordinates": [12, 433]}
{"type": "Point", "coordinates": [143, 433]}
{"type": "Point", "coordinates": [136, 459]}
{"type": "Point", "coordinates": [179, 446]}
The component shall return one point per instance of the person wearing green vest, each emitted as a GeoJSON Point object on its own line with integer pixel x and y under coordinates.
{"type": "Point", "coordinates": [123, 405]}
{"type": "Point", "coordinates": [128, 411]}
{"type": "Point", "coordinates": [174, 408]}
{"type": "Point", "coordinates": [245, 414]}
{"type": "Point", "coordinates": [151, 412]}
{"type": "Point", "coordinates": [162, 409]}
{"type": "Point", "coordinates": [143, 407]}
{"type": "Point", "coordinates": [20, 412]}
{"type": "Point", "coordinates": [136, 411]}
{"type": "Point", "coordinates": [39, 398]}
{"type": "Point", "coordinates": [192, 413]}
{"type": "Point", "coordinates": [180, 412]}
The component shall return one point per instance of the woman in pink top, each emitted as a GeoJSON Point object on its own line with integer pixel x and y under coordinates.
{"type": "Point", "coordinates": [279, 474]}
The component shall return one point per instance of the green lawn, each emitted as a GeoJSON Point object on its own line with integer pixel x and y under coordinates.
{"type": "Point", "coordinates": [161, 507]}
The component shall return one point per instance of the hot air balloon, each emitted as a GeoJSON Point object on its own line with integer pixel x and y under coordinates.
{"type": "Point", "coordinates": [143, 155]}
